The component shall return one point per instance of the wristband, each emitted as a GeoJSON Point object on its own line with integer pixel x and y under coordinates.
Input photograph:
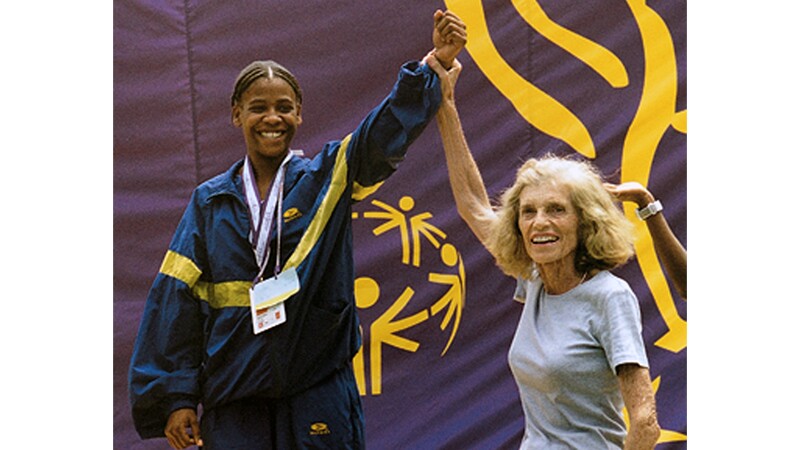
{"type": "Point", "coordinates": [649, 211]}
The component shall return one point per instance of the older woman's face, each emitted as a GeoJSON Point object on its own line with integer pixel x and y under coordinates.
{"type": "Point", "coordinates": [549, 224]}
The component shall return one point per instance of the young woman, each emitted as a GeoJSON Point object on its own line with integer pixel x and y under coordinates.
{"type": "Point", "coordinates": [252, 314]}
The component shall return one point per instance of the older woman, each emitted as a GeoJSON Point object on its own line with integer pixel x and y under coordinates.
{"type": "Point", "coordinates": [577, 356]}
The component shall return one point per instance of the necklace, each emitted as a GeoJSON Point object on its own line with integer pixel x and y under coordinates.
{"type": "Point", "coordinates": [583, 278]}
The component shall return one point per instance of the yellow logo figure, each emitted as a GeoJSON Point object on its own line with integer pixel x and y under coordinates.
{"type": "Point", "coordinates": [387, 328]}
{"type": "Point", "coordinates": [454, 298]}
{"type": "Point", "coordinates": [383, 331]}
{"type": "Point", "coordinates": [414, 226]}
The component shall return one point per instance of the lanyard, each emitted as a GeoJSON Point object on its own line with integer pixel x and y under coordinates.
{"type": "Point", "coordinates": [262, 213]}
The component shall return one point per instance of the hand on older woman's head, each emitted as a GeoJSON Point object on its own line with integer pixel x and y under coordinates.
{"type": "Point", "coordinates": [630, 191]}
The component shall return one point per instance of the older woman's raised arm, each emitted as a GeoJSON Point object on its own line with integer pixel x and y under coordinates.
{"type": "Point", "coordinates": [469, 192]}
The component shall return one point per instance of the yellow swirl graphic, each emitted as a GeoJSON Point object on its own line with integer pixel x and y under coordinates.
{"type": "Point", "coordinates": [599, 58]}
{"type": "Point", "coordinates": [655, 115]}
{"type": "Point", "coordinates": [537, 107]}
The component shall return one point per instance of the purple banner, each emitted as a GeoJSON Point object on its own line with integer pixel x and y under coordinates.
{"type": "Point", "coordinates": [605, 79]}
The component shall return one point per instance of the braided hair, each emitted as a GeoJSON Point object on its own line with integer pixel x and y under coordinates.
{"type": "Point", "coordinates": [263, 69]}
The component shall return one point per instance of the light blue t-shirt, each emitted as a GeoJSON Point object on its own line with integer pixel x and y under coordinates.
{"type": "Point", "coordinates": [564, 357]}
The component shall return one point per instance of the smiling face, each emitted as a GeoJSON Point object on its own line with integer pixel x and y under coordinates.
{"type": "Point", "coordinates": [268, 114]}
{"type": "Point", "coordinates": [548, 222]}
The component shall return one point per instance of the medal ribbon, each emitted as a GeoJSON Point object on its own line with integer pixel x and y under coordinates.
{"type": "Point", "coordinates": [262, 213]}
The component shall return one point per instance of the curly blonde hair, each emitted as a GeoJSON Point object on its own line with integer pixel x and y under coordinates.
{"type": "Point", "coordinates": [605, 236]}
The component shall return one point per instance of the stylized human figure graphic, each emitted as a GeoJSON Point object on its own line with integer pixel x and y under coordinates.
{"type": "Point", "coordinates": [383, 330]}
{"type": "Point", "coordinates": [394, 219]}
{"type": "Point", "coordinates": [367, 292]}
{"type": "Point", "coordinates": [420, 226]}
{"type": "Point", "coordinates": [455, 297]}
{"type": "Point", "coordinates": [416, 225]}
